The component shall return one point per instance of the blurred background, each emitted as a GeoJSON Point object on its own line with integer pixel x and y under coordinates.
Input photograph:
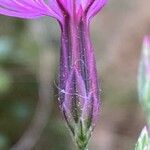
{"type": "Point", "coordinates": [29, 62]}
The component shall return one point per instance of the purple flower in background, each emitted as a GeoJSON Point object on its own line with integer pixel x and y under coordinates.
{"type": "Point", "coordinates": [78, 84]}
{"type": "Point", "coordinates": [146, 55]}
{"type": "Point", "coordinates": [144, 77]}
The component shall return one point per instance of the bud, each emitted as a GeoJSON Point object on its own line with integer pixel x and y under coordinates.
{"type": "Point", "coordinates": [144, 77]}
{"type": "Point", "coordinates": [143, 141]}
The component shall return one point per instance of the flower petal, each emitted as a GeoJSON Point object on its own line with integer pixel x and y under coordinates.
{"type": "Point", "coordinates": [96, 7]}
{"type": "Point", "coordinates": [26, 8]}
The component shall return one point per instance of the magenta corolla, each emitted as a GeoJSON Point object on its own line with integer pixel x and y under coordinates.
{"type": "Point", "coordinates": [79, 95]}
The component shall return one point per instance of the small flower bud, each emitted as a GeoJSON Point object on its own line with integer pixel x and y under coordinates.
{"type": "Point", "coordinates": [144, 77]}
{"type": "Point", "coordinates": [143, 141]}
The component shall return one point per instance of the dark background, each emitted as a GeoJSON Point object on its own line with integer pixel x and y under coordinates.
{"type": "Point", "coordinates": [29, 62]}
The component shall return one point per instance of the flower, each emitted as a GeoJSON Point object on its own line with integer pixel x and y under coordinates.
{"type": "Point", "coordinates": [144, 77]}
{"type": "Point", "coordinates": [55, 8]}
{"type": "Point", "coordinates": [146, 55]}
{"type": "Point", "coordinates": [78, 84]}
{"type": "Point", "coordinates": [144, 93]}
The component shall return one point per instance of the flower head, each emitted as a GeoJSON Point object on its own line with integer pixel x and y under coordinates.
{"type": "Point", "coordinates": [78, 84]}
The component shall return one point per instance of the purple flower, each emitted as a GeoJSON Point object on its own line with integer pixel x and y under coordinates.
{"type": "Point", "coordinates": [55, 8]}
{"type": "Point", "coordinates": [146, 55]}
{"type": "Point", "coordinates": [144, 77]}
{"type": "Point", "coordinates": [144, 68]}
{"type": "Point", "coordinates": [78, 83]}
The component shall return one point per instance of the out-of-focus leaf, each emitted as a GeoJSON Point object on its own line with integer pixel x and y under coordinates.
{"type": "Point", "coordinates": [5, 47]}
{"type": "Point", "coordinates": [20, 111]}
{"type": "Point", "coordinates": [5, 81]}
{"type": "Point", "coordinates": [4, 142]}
